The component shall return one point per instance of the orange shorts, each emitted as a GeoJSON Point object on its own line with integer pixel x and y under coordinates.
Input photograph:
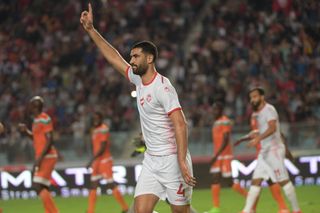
{"type": "Point", "coordinates": [223, 166]}
{"type": "Point", "coordinates": [43, 174]}
{"type": "Point", "coordinates": [102, 169]}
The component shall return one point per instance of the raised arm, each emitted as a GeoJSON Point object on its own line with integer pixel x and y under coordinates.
{"type": "Point", "coordinates": [107, 50]}
{"type": "Point", "coordinates": [180, 128]}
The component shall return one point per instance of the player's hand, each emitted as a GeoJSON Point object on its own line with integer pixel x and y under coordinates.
{"type": "Point", "coordinates": [254, 142]}
{"type": "Point", "coordinates": [36, 165]}
{"type": "Point", "coordinates": [22, 127]}
{"type": "Point", "coordinates": [86, 19]}
{"type": "Point", "coordinates": [186, 174]}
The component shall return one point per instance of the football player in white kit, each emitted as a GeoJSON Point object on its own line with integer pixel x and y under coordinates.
{"type": "Point", "coordinates": [167, 167]}
{"type": "Point", "coordinates": [270, 163]}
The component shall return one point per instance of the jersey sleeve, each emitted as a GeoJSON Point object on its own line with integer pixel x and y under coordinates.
{"type": "Point", "coordinates": [133, 78]}
{"type": "Point", "coordinates": [168, 98]}
{"type": "Point", "coordinates": [47, 125]}
{"type": "Point", "coordinates": [227, 126]}
{"type": "Point", "coordinates": [271, 114]}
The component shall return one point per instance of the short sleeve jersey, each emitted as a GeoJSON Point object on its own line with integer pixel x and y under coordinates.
{"type": "Point", "coordinates": [156, 101]}
{"type": "Point", "coordinates": [101, 134]}
{"type": "Point", "coordinates": [220, 127]}
{"type": "Point", "coordinates": [41, 125]}
{"type": "Point", "coordinates": [266, 114]}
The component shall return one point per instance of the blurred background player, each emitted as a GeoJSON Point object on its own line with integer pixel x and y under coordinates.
{"type": "Point", "coordinates": [221, 161]}
{"type": "Point", "coordinates": [45, 153]}
{"type": "Point", "coordinates": [270, 163]}
{"type": "Point", "coordinates": [167, 167]}
{"type": "Point", "coordinates": [274, 187]}
{"type": "Point", "coordinates": [101, 163]}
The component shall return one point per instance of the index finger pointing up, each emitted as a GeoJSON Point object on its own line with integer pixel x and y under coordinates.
{"type": "Point", "coordinates": [90, 8]}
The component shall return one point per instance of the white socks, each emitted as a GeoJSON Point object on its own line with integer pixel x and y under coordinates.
{"type": "Point", "coordinates": [291, 195]}
{"type": "Point", "coordinates": [253, 193]}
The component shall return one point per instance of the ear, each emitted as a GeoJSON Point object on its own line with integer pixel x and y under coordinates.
{"type": "Point", "coordinates": [149, 58]}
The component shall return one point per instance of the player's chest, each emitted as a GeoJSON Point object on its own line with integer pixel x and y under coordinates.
{"type": "Point", "coordinates": [37, 128]}
{"type": "Point", "coordinates": [146, 99]}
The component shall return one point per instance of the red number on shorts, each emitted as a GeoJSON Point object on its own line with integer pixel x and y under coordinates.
{"type": "Point", "coordinates": [180, 190]}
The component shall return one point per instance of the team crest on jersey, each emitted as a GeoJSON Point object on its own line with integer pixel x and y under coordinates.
{"type": "Point", "coordinates": [149, 98]}
{"type": "Point", "coordinates": [166, 89]}
{"type": "Point", "coordinates": [141, 101]}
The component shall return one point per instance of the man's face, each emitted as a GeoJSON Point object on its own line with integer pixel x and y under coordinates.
{"type": "Point", "coordinates": [217, 112]}
{"type": "Point", "coordinates": [96, 120]}
{"type": "Point", "coordinates": [34, 107]}
{"type": "Point", "coordinates": [256, 99]}
{"type": "Point", "coordinates": [138, 61]}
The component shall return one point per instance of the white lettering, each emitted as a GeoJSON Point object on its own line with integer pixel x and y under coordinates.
{"type": "Point", "coordinates": [119, 174]}
{"type": "Point", "coordinates": [24, 177]}
{"type": "Point", "coordinates": [313, 163]}
{"type": "Point", "coordinates": [238, 166]}
{"type": "Point", "coordinates": [78, 174]}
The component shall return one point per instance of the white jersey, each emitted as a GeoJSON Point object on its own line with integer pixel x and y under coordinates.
{"type": "Point", "coordinates": [266, 114]}
{"type": "Point", "coordinates": [156, 101]}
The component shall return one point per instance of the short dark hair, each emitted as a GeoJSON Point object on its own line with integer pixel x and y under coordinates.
{"type": "Point", "coordinates": [147, 47]}
{"type": "Point", "coordinates": [259, 89]}
{"type": "Point", "coordinates": [39, 100]}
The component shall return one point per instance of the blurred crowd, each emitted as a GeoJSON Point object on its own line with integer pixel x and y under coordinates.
{"type": "Point", "coordinates": [44, 51]}
{"type": "Point", "coordinates": [273, 44]}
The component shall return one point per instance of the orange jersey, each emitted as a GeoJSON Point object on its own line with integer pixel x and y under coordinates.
{"type": "Point", "coordinates": [101, 134]}
{"type": "Point", "coordinates": [220, 127]}
{"type": "Point", "coordinates": [42, 125]}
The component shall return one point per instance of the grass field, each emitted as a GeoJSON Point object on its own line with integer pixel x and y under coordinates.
{"type": "Point", "coordinates": [230, 203]}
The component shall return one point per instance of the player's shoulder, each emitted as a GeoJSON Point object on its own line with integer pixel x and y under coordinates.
{"type": "Point", "coordinates": [43, 118]}
{"type": "Point", "coordinates": [270, 108]}
{"type": "Point", "coordinates": [103, 128]}
{"type": "Point", "coordinates": [223, 121]}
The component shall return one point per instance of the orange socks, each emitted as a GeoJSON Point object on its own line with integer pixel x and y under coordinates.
{"type": "Point", "coordinates": [236, 187]}
{"type": "Point", "coordinates": [92, 200]}
{"type": "Point", "coordinates": [215, 190]}
{"type": "Point", "coordinates": [276, 194]}
{"type": "Point", "coordinates": [47, 201]}
{"type": "Point", "coordinates": [118, 196]}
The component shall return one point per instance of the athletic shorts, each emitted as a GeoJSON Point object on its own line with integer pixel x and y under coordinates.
{"type": "Point", "coordinates": [271, 165]}
{"type": "Point", "coordinates": [223, 165]}
{"type": "Point", "coordinates": [102, 169]}
{"type": "Point", "coordinates": [43, 174]}
{"type": "Point", "coordinates": [161, 176]}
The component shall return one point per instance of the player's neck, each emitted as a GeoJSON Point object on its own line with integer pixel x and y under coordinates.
{"type": "Point", "coordinates": [149, 76]}
{"type": "Point", "coordinates": [261, 106]}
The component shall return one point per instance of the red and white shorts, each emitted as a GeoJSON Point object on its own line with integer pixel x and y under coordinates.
{"type": "Point", "coordinates": [161, 176]}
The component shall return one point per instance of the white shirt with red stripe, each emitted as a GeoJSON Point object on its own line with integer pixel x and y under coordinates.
{"type": "Point", "coordinates": [266, 114]}
{"type": "Point", "coordinates": [156, 100]}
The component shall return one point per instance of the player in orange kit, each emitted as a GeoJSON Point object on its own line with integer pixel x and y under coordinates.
{"type": "Point", "coordinates": [221, 161]}
{"type": "Point", "coordinates": [101, 163]}
{"type": "Point", "coordinates": [45, 153]}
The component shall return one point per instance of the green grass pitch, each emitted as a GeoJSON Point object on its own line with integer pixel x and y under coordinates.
{"type": "Point", "coordinates": [231, 202]}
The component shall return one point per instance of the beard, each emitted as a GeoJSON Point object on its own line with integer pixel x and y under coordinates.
{"type": "Point", "coordinates": [255, 105]}
{"type": "Point", "coordinates": [139, 70]}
